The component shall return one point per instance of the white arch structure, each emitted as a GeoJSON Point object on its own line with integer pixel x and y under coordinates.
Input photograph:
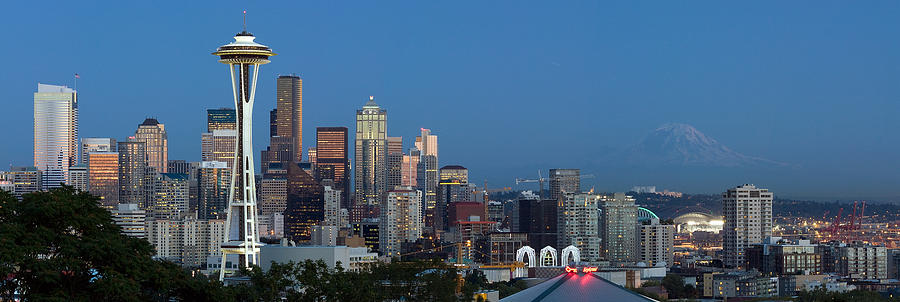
{"type": "Point", "coordinates": [544, 252]}
{"type": "Point", "coordinates": [570, 251]}
{"type": "Point", "coordinates": [520, 255]}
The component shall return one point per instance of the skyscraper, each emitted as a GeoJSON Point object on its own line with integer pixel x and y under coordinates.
{"type": "Point", "coordinates": [401, 220]}
{"type": "Point", "coordinates": [132, 173]}
{"type": "Point", "coordinates": [748, 220]}
{"type": "Point", "coordinates": [657, 243]}
{"type": "Point", "coordinates": [156, 141]}
{"type": "Point", "coordinates": [305, 204]}
{"type": "Point", "coordinates": [564, 181]}
{"type": "Point", "coordinates": [214, 179]}
{"type": "Point", "coordinates": [218, 145]}
{"type": "Point", "coordinates": [618, 225]}
{"type": "Point", "coordinates": [55, 133]}
{"type": "Point", "coordinates": [578, 225]}
{"type": "Point", "coordinates": [179, 166]}
{"type": "Point", "coordinates": [332, 207]}
{"type": "Point", "coordinates": [427, 173]}
{"type": "Point", "coordinates": [371, 145]}
{"type": "Point", "coordinates": [170, 196]}
{"type": "Point", "coordinates": [103, 177]}
{"type": "Point", "coordinates": [332, 159]}
{"type": "Point", "coordinates": [220, 119]}
{"type": "Point", "coordinates": [453, 187]}
{"type": "Point", "coordinates": [96, 144]}
{"type": "Point", "coordinates": [394, 162]}
{"type": "Point", "coordinates": [273, 191]}
{"type": "Point", "coordinates": [243, 56]}
{"type": "Point", "coordinates": [290, 112]}
{"type": "Point", "coordinates": [409, 168]}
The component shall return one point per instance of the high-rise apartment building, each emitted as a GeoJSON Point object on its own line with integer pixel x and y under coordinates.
{"type": "Point", "coordinates": [401, 220]}
{"type": "Point", "coordinates": [290, 112]}
{"type": "Point", "coordinates": [657, 243]}
{"type": "Point", "coordinates": [170, 196]}
{"type": "Point", "coordinates": [96, 144]}
{"type": "Point", "coordinates": [371, 153]}
{"type": "Point", "coordinates": [214, 179]}
{"type": "Point", "coordinates": [55, 133]}
{"type": "Point", "coordinates": [618, 235]}
{"type": "Point", "coordinates": [131, 218]}
{"type": "Point", "coordinates": [103, 177]}
{"type": "Point", "coordinates": [133, 173]}
{"type": "Point", "coordinates": [79, 178]}
{"type": "Point", "coordinates": [332, 207]}
{"type": "Point", "coordinates": [564, 181]}
{"type": "Point", "coordinates": [218, 145]}
{"type": "Point", "coordinates": [156, 141]}
{"type": "Point", "coordinates": [305, 204]}
{"type": "Point", "coordinates": [578, 225]}
{"type": "Point", "coordinates": [333, 161]}
{"type": "Point", "coordinates": [221, 119]}
{"type": "Point", "coordinates": [748, 220]}
{"type": "Point", "coordinates": [188, 241]}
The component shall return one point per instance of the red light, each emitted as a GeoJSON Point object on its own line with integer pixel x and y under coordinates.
{"type": "Point", "coordinates": [589, 269]}
{"type": "Point", "coordinates": [570, 269]}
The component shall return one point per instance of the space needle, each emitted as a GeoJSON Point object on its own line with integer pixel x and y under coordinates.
{"type": "Point", "coordinates": [243, 57]}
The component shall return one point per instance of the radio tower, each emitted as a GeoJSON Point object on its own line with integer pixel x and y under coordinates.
{"type": "Point", "coordinates": [243, 57]}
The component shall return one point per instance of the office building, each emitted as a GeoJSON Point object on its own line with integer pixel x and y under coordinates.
{"type": "Point", "coordinates": [214, 179]}
{"type": "Point", "coordinates": [170, 196]}
{"type": "Point", "coordinates": [504, 245]}
{"type": "Point", "coordinates": [427, 174]}
{"type": "Point", "coordinates": [273, 191]}
{"type": "Point", "coordinates": [371, 153]}
{"type": "Point", "coordinates": [409, 168]}
{"type": "Point", "coordinates": [538, 219]}
{"type": "Point", "coordinates": [131, 219]}
{"type": "Point", "coordinates": [748, 220]}
{"type": "Point", "coordinates": [775, 256]}
{"type": "Point", "coordinates": [103, 177]}
{"type": "Point", "coordinates": [369, 231]}
{"type": "Point", "coordinates": [96, 144]}
{"type": "Point", "coordinates": [221, 119]}
{"type": "Point", "coordinates": [133, 173]}
{"type": "Point", "coordinates": [401, 220]}
{"type": "Point", "coordinates": [271, 225]}
{"type": "Point", "coordinates": [578, 225]}
{"type": "Point", "coordinates": [862, 261]}
{"type": "Point", "coordinates": [55, 133]}
{"type": "Point", "coordinates": [24, 180]}
{"type": "Point", "coordinates": [280, 152]}
{"type": "Point", "coordinates": [657, 243]}
{"type": "Point", "coordinates": [333, 161]}
{"type": "Point", "coordinates": [179, 166]}
{"type": "Point", "coordinates": [618, 233]}
{"type": "Point", "coordinates": [323, 235]}
{"type": "Point", "coordinates": [219, 145]}
{"type": "Point", "coordinates": [78, 177]}
{"type": "Point", "coordinates": [289, 111]}
{"type": "Point", "coordinates": [312, 156]}
{"type": "Point", "coordinates": [394, 162]}
{"type": "Point", "coordinates": [564, 181]}
{"type": "Point", "coordinates": [305, 204]}
{"type": "Point", "coordinates": [156, 143]}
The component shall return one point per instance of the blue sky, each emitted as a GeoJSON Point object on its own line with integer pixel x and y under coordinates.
{"type": "Point", "coordinates": [509, 86]}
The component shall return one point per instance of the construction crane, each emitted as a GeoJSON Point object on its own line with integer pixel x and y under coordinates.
{"type": "Point", "coordinates": [540, 180]}
{"type": "Point", "coordinates": [459, 250]}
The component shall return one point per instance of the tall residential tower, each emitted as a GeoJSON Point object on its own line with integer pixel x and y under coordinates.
{"type": "Point", "coordinates": [748, 220]}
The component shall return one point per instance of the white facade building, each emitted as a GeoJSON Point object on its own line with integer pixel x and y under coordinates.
{"type": "Point", "coordinates": [401, 220]}
{"type": "Point", "coordinates": [131, 219]}
{"type": "Point", "coordinates": [657, 243]}
{"type": "Point", "coordinates": [187, 241]}
{"type": "Point", "coordinates": [748, 220]}
{"type": "Point", "coordinates": [578, 224]}
{"type": "Point", "coordinates": [55, 133]}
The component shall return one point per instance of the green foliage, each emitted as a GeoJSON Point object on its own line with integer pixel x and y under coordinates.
{"type": "Point", "coordinates": [676, 288]}
{"type": "Point", "coordinates": [61, 246]}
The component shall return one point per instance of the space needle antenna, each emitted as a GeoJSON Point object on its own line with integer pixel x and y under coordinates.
{"type": "Point", "coordinates": [245, 20]}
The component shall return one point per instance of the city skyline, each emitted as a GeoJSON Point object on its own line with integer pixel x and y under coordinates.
{"type": "Point", "coordinates": [857, 168]}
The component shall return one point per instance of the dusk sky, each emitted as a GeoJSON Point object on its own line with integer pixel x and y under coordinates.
{"type": "Point", "coordinates": [509, 87]}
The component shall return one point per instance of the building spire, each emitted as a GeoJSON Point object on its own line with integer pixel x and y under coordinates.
{"type": "Point", "coordinates": [245, 20]}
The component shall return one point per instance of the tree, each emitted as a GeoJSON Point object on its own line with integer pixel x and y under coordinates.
{"type": "Point", "coordinates": [61, 246]}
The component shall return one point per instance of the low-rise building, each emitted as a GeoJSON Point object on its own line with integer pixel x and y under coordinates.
{"type": "Point", "coordinates": [350, 258]}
